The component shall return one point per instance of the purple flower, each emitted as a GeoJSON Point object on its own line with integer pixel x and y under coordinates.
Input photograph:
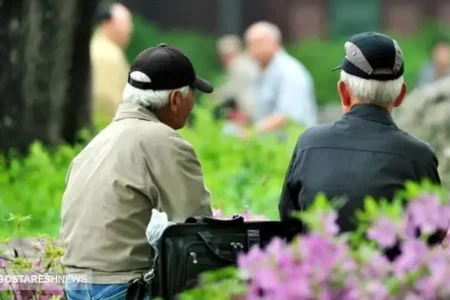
{"type": "Point", "coordinates": [383, 232]}
{"type": "Point", "coordinates": [377, 290]}
{"type": "Point", "coordinates": [329, 220]}
{"type": "Point", "coordinates": [425, 213]}
{"type": "Point", "coordinates": [248, 262]}
{"type": "Point", "coordinates": [2, 262]}
{"type": "Point", "coordinates": [412, 257]}
{"type": "Point", "coordinates": [275, 246]}
{"type": "Point", "coordinates": [217, 213]}
{"type": "Point", "coordinates": [36, 264]}
{"type": "Point", "coordinates": [377, 266]}
{"type": "Point", "coordinates": [53, 289]}
{"type": "Point", "coordinates": [299, 288]}
{"type": "Point", "coordinates": [413, 296]}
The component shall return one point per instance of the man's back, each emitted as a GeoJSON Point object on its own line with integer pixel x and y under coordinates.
{"type": "Point", "coordinates": [363, 154]}
{"type": "Point", "coordinates": [134, 165]}
{"type": "Point", "coordinates": [109, 75]}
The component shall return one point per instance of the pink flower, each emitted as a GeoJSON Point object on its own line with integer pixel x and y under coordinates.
{"type": "Point", "coordinates": [217, 213]}
{"type": "Point", "coordinates": [52, 289]}
{"type": "Point", "coordinates": [383, 232]}
{"type": "Point", "coordinates": [2, 262]}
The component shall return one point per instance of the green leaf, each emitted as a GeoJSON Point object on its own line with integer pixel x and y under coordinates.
{"type": "Point", "coordinates": [370, 207]}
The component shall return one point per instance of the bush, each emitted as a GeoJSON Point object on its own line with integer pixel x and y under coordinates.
{"type": "Point", "coordinates": [317, 265]}
{"type": "Point", "coordinates": [323, 265]}
{"type": "Point", "coordinates": [319, 56]}
{"type": "Point", "coordinates": [240, 174]}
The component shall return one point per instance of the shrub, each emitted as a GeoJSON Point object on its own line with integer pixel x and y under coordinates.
{"type": "Point", "coordinates": [323, 265]}
{"type": "Point", "coordinates": [242, 175]}
{"type": "Point", "coordinates": [317, 265]}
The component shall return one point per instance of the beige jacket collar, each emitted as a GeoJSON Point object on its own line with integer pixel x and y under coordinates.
{"type": "Point", "coordinates": [134, 111]}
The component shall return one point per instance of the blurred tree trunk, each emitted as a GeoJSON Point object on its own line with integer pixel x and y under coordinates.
{"type": "Point", "coordinates": [230, 17]}
{"type": "Point", "coordinates": [44, 71]}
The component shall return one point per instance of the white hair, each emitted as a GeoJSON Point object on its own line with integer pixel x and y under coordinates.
{"type": "Point", "coordinates": [153, 100]}
{"type": "Point", "coordinates": [229, 44]}
{"type": "Point", "coordinates": [266, 28]}
{"type": "Point", "coordinates": [382, 93]}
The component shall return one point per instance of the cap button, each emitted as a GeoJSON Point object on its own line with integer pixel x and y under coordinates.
{"type": "Point", "coordinates": [162, 45]}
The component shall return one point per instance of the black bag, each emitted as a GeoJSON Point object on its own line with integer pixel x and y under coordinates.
{"type": "Point", "coordinates": [206, 244]}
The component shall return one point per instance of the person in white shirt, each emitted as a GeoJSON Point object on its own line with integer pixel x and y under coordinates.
{"type": "Point", "coordinates": [285, 88]}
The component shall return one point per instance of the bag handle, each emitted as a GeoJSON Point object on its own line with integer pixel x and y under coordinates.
{"type": "Point", "coordinates": [205, 236]}
{"type": "Point", "coordinates": [235, 220]}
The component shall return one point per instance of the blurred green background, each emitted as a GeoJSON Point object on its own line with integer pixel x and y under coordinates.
{"type": "Point", "coordinates": [241, 174]}
{"type": "Point", "coordinates": [318, 55]}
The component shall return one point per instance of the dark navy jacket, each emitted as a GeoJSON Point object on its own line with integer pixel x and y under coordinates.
{"type": "Point", "coordinates": [362, 154]}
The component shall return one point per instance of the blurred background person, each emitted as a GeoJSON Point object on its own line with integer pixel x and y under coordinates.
{"type": "Point", "coordinates": [284, 87]}
{"type": "Point", "coordinates": [236, 95]}
{"type": "Point", "coordinates": [439, 65]}
{"type": "Point", "coordinates": [109, 64]}
{"type": "Point", "coordinates": [425, 114]}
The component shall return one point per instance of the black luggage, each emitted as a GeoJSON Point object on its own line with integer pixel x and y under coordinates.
{"type": "Point", "coordinates": [205, 244]}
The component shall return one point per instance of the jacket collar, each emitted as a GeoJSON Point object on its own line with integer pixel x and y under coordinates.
{"type": "Point", "coordinates": [134, 111]}
{"type": "Point", "coordinates": [370, 112]}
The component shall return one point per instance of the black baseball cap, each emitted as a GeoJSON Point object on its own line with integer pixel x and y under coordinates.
{"type": "Point", "coordinates": [372, 55]}
{"type": "Point", "coordinates": [168, 68]}
{"type": "Point", "coordinates": [103, 12]}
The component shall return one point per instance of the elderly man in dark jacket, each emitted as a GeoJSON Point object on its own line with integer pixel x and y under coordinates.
{"type": "Point", "coordinates": [364, 153]}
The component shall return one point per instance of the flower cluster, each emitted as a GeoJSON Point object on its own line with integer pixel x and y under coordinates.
{"type": "Point", "coordinates": [400, 256]}
{"type": "Point", "coordinates": [46, 261]}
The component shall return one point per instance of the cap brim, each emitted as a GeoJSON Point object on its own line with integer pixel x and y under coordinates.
{"type": "Point", "coordinates": [202, 85]}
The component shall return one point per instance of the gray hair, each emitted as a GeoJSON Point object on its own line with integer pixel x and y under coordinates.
{"type": "Point", "coordinates": [153, 100]}
{"type": "Point", "coordinates": [267, 28]}
{"type": "Point", "coordinates": [229, 44]}
{"type": "Point", "coordinates": [382, 93]}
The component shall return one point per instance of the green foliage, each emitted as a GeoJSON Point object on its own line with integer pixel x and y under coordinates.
{"type": "Point", "coordinates": [34, 186]}
{"type": "Point", "coordinates": [213, 284]}
{"type": "Point", "coordinates": [319, 56]}
{"type": "Point", "coordinates": [199, 48]}
{"type": "Point", "coordinates": [240, 174]}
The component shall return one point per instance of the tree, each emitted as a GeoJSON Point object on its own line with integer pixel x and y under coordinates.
{"type": "Point", "coordinates": [44, 71]}
{"type": "Point", "coordinates": [230, 17]}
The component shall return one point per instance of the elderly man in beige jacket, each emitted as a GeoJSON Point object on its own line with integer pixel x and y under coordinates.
{"type": "Point", "coordinates": [137, 163]}
{"type": "Point", "coordinates": [241, 72]}
{"type": "Point", "coordinates": [109, 64]}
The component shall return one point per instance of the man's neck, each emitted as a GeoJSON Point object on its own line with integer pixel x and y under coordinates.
{"type": "Point", "coordinates": [269, 62]}
{"type": "Point", "coordinates": [107, 35]}
{"type": "Point", "coordinates": [440, 70]}
{"type": "Point", "coordinates": [387, 108]}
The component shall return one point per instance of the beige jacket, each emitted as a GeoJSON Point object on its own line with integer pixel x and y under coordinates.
{"type": "Point", "coordinates": [134, 165]}
{"type": "Point", "coordinates": [109, 75]}
{"type": "Point", "coordinates": [240, 84]}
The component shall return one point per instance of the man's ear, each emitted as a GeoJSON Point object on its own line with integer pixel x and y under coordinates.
{"type": "Point", "coordinates": [174, 101]}
{"type": "Point", "coordinates": [344, 94]}
{"type": "Point", "coordinates": [401, 96]}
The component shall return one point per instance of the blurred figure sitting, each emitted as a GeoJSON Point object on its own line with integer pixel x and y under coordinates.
{"type": "Point", "coordinates": [285, 89]}
{"type": "Point", "coordinates": [236, 95]}
{"type": "Point", "coordinates": [109, 64]}
{"type": "Point", "coordinates": [439, 66]}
